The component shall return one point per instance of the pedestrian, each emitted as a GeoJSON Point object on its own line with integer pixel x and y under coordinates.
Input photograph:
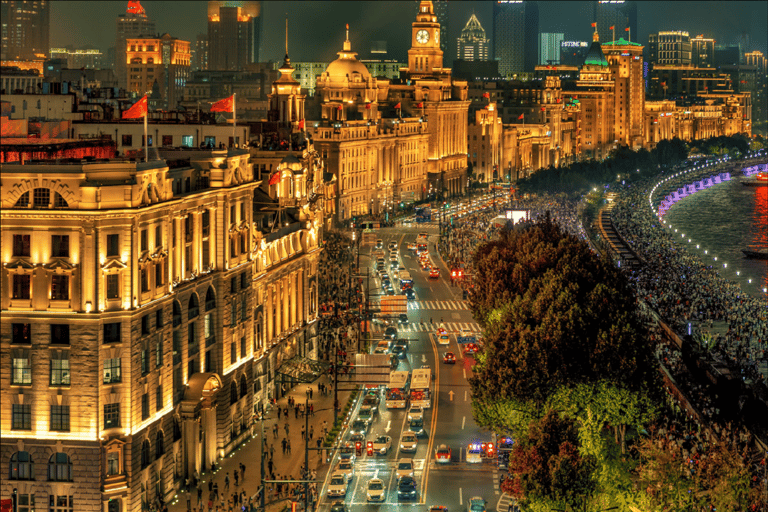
{"type": "Point", "coordinates": [303, 434]}
{"type": "Point", "coordinates": [270, 464]}
{"type": "Point", "coordinates": [311, 392]}
{"type": "Point", "coordinates": [242, 471]}
{"type": "Point", "coordinates": [296, 411]}
{"type": "Point", "coordinates": [199, 493]}
{"type": "Point", "coordinates": [289, 446]}
{"type": "Point", "coordinates": [275, 429]}
{"type": "Point", "coordinates": [236, 475]}
{"type": "Point", "coordinates": [311, 432]}
{"type": "Point", "coordinates": [278, 413]}
{"type": "Point", "coordinates": [271, 451]}
{"type": "Point", "coordinates": [312, 410]}
{"type": "Point", "coordinates": [226, 482]}
{"type": "Point", "coordinates": [286, 429]}
{"type": "Point", "coordinates": [285, 444]}
{"type": "Point", "coordinates": [216, 491]}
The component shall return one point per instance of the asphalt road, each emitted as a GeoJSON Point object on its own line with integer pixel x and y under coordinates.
{"type": "Point", "coordinates": [449, 421]}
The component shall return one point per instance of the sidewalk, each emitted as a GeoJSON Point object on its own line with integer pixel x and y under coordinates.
{"type": "Point", "coordinates": [285, 465]}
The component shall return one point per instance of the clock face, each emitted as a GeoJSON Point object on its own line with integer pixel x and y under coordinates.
{"type": "Point", "coordinates": [422, 36]}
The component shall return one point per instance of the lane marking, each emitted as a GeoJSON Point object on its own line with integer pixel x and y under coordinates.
{"type": "Point", "coordinates": [463, 420]}
{"type": "Point", "coordinates": [465, 395]}
{"type": "Point", "coordinates": [461, 498]}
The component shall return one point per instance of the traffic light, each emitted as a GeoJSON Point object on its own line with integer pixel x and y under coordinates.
{"type": "Point", "coordinates": [490, 450]}
{"type": "Point", "coordinates": [369, 447]}
{"type": "Point", "coordinates": [359, 448]}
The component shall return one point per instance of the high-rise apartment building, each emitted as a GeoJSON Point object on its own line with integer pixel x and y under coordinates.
{"type": "Point", "coordinates": [163, 60]}
{"type": "Point", "coordinates": [134, 23]}
{"type": "Point", "coordinates": [234, 34]}
{"type": "Point", "coordinates": [515, 36]}
{"type": "Point", "coordinates": [25, 30]}
{"type": "Point", "coordinates": [549, 48]}
{"type": "Point", "coordinates": [472, 45]}
{"type": "Point", "coordinates": [757, 59]}
{"type": "Point", "coordinates": [702, 52]}
{"type": "Point", "coordinates": [200, 53]}
{"type": "Point", "coordinates": [618, 14]}
{"type": "Point", "coordinates": [85, 58]}
{"type": "Point", "coordinates": [672, 47]}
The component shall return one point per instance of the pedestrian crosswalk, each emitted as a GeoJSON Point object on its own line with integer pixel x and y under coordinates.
{"type": "Point", "coordinates": [438, 304]}
{"type": "Point", "coordinates": [451, 327]}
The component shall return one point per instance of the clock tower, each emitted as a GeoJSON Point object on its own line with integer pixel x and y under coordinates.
{"type": "Point", "coordinates": [425, 56]}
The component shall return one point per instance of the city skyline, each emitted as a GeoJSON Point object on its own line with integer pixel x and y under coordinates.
{"type": "Point", "coordinates": [186, 19]}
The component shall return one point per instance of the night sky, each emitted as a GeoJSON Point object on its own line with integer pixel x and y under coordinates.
{"type": "Point", "coordinates": [316, 28]}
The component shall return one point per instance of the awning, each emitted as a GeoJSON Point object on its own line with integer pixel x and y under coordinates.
{"type": "Point", "coordinates": [303, 369]}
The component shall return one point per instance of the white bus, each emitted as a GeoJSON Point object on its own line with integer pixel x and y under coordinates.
{"type": "Point", "coordinates": [397, 390]}
{"type": "Point", "coordinates": [421, 388]}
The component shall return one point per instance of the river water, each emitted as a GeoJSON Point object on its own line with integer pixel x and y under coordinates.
{"type": "Point", "coordinates": [723, 220]}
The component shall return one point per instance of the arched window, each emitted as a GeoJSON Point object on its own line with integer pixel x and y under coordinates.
{"type": "Point", "coordinates": [159, 444]}
{"type": "Point", "coordinates": [59, 201]}
{"type": "Point", "coordinates": [210, 299]}
{"type": "Point", "coordinates": [60, 468]}
{"type": "Point", "coordinates": [194, 307]}
{"type": "Point", "coordinates": [243, 386]}
{"type": "Point", "coordinates": [176, 313]}
{"type": "Point", "coordinates": [22, 467]}
{"type": "Point", "coordinates": [23, 201]}
{"type": "Point", "coordinates": [233, 393]}
{"type": "Point", "coordinates": [145, 454]}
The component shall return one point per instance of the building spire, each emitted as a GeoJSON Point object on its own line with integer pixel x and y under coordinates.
{"type": "Point", "coordinates": [347, 45]}
{"type": "Point", "coordinates": [287, 59]}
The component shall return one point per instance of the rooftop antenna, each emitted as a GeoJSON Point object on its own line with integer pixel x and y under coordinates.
{"type": "Point", "coordinates": [286, 35]}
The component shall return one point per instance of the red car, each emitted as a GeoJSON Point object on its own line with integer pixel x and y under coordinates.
{"type": "Point", "coordinates": [434, 273]}
{"type": "Point", "coordinates": [449, 358]}
{"type": "Point", "coordinates": [443, 454]}
{"type": "Point", "coordinates": [471, 348]}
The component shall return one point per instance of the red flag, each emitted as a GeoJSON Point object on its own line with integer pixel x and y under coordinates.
{"type": "Point", "coordinates": [626, 29]}
{"type": "Point", "coordinates": [487, 95]}
{"type": "Point", "coordinates": [559, 99]}
{"type": "Point", "coordinates": [520, 116]}
{"type": "Point", "coordinates": [594, 25]}
{"type": "Point", "coordinates": [398, 105]}
{"type": "Point", "coordinates": [139, 109]}
{"type": "Point", "coordinates": [339, 107]}
{"type": "Point", "coordinates": [274, 178]}
{"type": "Point", "coordinates": [225, 105]}
{"type": "Point", "coordinates": [368, 106]}
{"type": "Point", "coordinates": [301, 124]}
{"type": "Point", "coordinates": [612, 27]}
{"type": "Point", "coordinates": [420, 104]}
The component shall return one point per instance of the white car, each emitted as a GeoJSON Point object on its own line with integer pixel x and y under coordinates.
{"type": "Point", "coordinates": [415, 413]}
{"type": "Point", "coordinates": [337, 487]}
{"type": "Point", "coordinates": [377, 491]}
{"type": "Point", "coordinates": [404, 468]}
{"type": "Point", "coordinates": [382, 444]}
{"type": "Point", "coordinates": [347, 467]}
{"type": "Point", "coordinates": [408, 442]}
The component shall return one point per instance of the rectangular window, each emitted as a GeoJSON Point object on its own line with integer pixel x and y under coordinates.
{"type": "Point", "coordinates": [145, 325]}
{"type": "Point", "coordinates": [233, 320]}
{"type": "Point", "coordinates": [243, 309]}
{"type": "Point", "coordinates": [233, 284]}
{"type": "Point", "coordinates": [208, 326]}
{"type": "Point", "coordinates": [192, 347]}
{"type": "Point", "coordinates": [59, 287]}
{"type": "Point", "coordinates": [21, 371]}
{"type": "Point", "coordinates": [144, 240]}
{"type": "Point", "coordinates": [113, 245]}
{"type": "Point", "coordinates": [112, 332]}
{"type": "Point", "coordinates": [173, 233]}
{"type": "Point", "coordinates": [60, 375]}
{"type": "Point", "coordinates": [242, 244]}
{"type": "Point", "coordinates": [113, 288]}
{"type": "Point", "coordinates": [187, 140]}
{"type": "Point", "coordinates": [60, 334]}
{"type": "Point", "coordinates": [244, 281]}
{"type": "Point", "coordinates": [159, 318]}
{"type": "Point", "coordinates": [144, 361]}
{"type": "Point", "coordinates": [159, 350]}
{"type": "Point", "coordinates": [113, 463]}
{"type": "Point", "coordinates": [21, 245]}
{"type": "Point", "coordinates": [233, 246]}
{"type": "Point", "coordinates": [112, 371]}
{"type": "Point", "coordinates": [158, 236]}
{"type": "Point", "coordinates": [111, 415]}
{"type": "Point", "coordinates": [61, 503]}
{"type": "Point", "coordinates": [21, 333]}
{"type": "Point", "coordinates": [21, 286]}
{"type": "Point", "coordinates": [176, 346]}
{"type": "Point", "coordinates": [206, 223]}
{"type": "Point", "coordinates": [242, 346]}
{"type": "Point", "coordinates": [59, 246]}
{"type": "Point", "coordinates": [21, 417]}
{"type": "Point", "coordinates": [168, 140]}
{"type": "Point", "coordinates": [145, 406]}
{"type": "Point", "coordinates": [159, 280]}
{"type": "Point", "coordinates": [188, 259]}
{"type": "Point", "coordinates": [233, 352]}
{"type": "Point", "coordinates": [41, 197]}
{"type": "Point", "coordinates": [206, 253]}
{"type": "Point", "coordinates": [188, 228]}
{"type": "Point", "coordinates": [159, 398]}
{"type": "Point", "coordinates": [59, 418]}
{"type": "Point", "coordinates": [232, 215]}
{"type": "Point", "coordinates": [242, 212]}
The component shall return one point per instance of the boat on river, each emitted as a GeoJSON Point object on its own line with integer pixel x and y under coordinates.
{"type": "Point", "coordinates": [758, 180]}
{"type": "Point", "coordinates": [759, 254]}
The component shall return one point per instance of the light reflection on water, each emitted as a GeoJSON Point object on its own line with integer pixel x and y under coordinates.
{"type": "Point", "coordinates": [724, 220]}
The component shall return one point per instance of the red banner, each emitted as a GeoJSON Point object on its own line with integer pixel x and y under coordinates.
{"type": "Point", "coordinates": [274, 178]}
{"type": "Point", "coordinates": [139, 109]}
{"type": "Point", "coordinates": [225, 105]}
{"type": "Point", "coordinates": [6, 505]}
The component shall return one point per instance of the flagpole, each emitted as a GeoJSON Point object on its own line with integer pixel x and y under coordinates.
{"type": "Point", "coordinates": [146, 139]}
{"type": "Point", "coordinates": [613, 31]}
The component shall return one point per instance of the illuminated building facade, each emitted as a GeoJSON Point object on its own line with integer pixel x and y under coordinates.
{"type": "Point", "coordinates": [88, 58]}
{"type": "Point", "coordinates": [25, 30]}
{"type": "Point", "coordinates": [134, 23]}
{"type": "Point", "coordinates": [619, 14]}
{"type": "Point", "coordinates": [515, 36]}
{"type": "Point", "coordinates": [200, 53]}
{"type": "Point", "coordinates": [595, 95]}
{"type": "Point", "coordinates": [672, 47]}
{"type": "Point", "coordinates": [440, 8]}
{"type": "Point", "coordinates": [702, 52]}
{"type": "Point", "coordinates": [484, 138]}
{"type": "Point", "coordinates": [549, 48]}
{"type": "Point", "coordinates": [161, 62]}
{"type": "Point", "coordinates": [625, 60]}
{"type": "Point", "coordinates": [234, 34]}
{"type": "Point", "coordinates": [472, 44]}
{"type": "Point", "coordinates": [145, 321]}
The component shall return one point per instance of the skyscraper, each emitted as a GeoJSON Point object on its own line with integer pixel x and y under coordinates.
{"type": "Point", "coordinates": [134, 23]}
{"type": "Point", "coordinates": [702, 52]}
{"type": "Point", "coordinates": [234, 34]}
{"type": "Point", "coordinates": [515, 36]}
{"type": "Point", "coordinates": [472, 44]}
{"type": "Point", "coordinates": [549, 49]}
{"type": "Point", "coordinates": [25, 29]}
{"type": "Point", "coordinates": [617, 14]}
{"type": "Point", "coordinates": [200, 53]}
{"type": "Point", "coordinates": [670, 47]}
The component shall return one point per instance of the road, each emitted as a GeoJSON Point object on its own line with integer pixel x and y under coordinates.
{"type": "Point", "coordinates": [449, 421]}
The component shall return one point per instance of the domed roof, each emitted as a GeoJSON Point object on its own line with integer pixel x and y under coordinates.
{"type": "Point", "coordinates": [291, 162]}
{"type": "Point", "coordinates": [595, 55]}
{"type": "Point", "coordinates": [347, 64]}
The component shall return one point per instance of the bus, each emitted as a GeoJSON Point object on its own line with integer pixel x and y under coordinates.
{"type": "Point", "coordinates": [421, 388]}
{"type": "Point", "coordinates": [397, 390]}
{"type": "Point", "coordinates": [406, 281]}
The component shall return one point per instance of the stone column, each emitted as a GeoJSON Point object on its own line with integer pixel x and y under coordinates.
{"type": "Point", "coordinates": [285, 303]}
{"type": "Point", "coordinates": [268, 307]}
